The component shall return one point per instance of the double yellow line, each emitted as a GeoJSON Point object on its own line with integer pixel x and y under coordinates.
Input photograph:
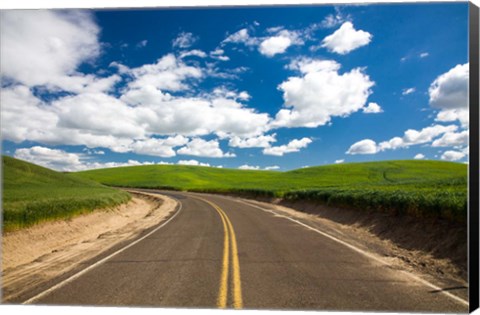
{"type": "Point", "coordinates": [230, 242]}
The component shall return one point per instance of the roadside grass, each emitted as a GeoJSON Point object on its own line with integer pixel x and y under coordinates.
{"type": "Point", "coordinates": [32, 194]}
{"type": "Point", "coordinates": [417, 188]}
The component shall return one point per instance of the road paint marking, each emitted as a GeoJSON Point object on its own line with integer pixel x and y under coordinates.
{"type": "Point", "coordinates": [223, 291]}
{"type": "Point", "coordinates": [237, 284]}
{"type": "Point", "coordinates": [361, 251]}
{"type": "Point", "coordinates": [98, 263]}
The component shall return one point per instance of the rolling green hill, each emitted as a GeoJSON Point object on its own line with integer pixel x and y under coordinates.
{"type": "Point", "coordinates": [419, 188]}
{"type": "Point", "coordinates": [32, 194]}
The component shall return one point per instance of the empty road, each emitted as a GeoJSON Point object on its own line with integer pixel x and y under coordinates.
{"type": "Point", "coordinates": [219, 252]}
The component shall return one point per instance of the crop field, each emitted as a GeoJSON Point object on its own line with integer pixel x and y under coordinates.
{"type": "Point", "coordinates": [417, 188]}
{"type": "Point", "coordinates": [32, 194]}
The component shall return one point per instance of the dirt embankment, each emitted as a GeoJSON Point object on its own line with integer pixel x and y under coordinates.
{"type": "Point", "coordinates": [433, 246]}
{"type": "Point", "coordinates": [35, 255]}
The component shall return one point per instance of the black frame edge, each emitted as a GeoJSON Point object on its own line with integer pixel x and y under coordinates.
{"type": "Point", "coordinates": [473, 262]}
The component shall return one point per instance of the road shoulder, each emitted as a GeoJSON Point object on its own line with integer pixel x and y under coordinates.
{"type": "Point", "coordinates": [36, 255]}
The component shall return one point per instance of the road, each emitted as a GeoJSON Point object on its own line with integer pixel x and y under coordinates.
{"type": "Point", "coordinates": [218, 252]}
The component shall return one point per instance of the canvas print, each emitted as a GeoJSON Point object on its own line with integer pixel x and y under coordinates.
{"type": "Point", "coordinates": [304, 157]}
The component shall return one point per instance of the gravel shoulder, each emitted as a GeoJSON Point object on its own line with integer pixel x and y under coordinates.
{"type": "Point", "coordinates": [36, 255]}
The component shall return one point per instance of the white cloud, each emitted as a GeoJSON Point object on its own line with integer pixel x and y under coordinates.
{"type": "Point", "coordinates": [50, 158]}
{"type": "Point", "coordinates": [339, 161]}
{"type": "Point", "coordinates": [223, 92]}
{"type": "Point", "coordinates": [200, 147]}
{"type": "Point", "coordinates": [63, 161]}
{"type": "Point", "coordinates": [365, 146]}
{"type": "Point", "coordinates": [273, 167]}
{"type": "Point", "coordinates": [24, 116]}
{"type": "Point", "coordinates": [293, 146]}
{"type": "Point", "coordinates": [449, 93]}
{"type": "Point", "coordinates": [333, 20]}
{"type": "Point", "coordinates": [138, 115]}
{"type": "Point", "coordinates": [346, 39]}
{"type": "Point", "coordinates": [248, 167]}
{"type": "Point", "coordinates": [452, 155]}
{"type": "Point", "coordinates": [410, 137]}
{"type": "Point", "coordinates": [196, 52]}
{"type": "Point", "coordinates": [169, 73]}
{"type": "Point", "coordinates": [219, 54]}
{"type": "Point", "coordinates": [184, 40]}
{"type": "Point", "coordinates": [372, 108]}
{"type": "Point", "coordinates": [158, 147]}
{"type": "Point", "coordinates": [279, 43]}
{"type": "Point", "coordinates": [241, 36]}
{"type": "Point", "coordinates": [274, 45]}
{"type": "Point", "coordinates": [408, 91]}
{"type": "Point", "coordinates": [424, 55]}
{"type": "Point", "coordinates": [452, 139]}
{"type": "Point", "coordinates": [192, 163]}
{"type": "Point", "coordinates": [321, 93]}
{"type": "Point", "coordinates": [415, 137]}
{"type": "Point", "coordinates": [448, 115]}
{"type": "Point", "coordinates": [45, 47]}
{"type": "Point", "coordinates": [419, 156]}
{"type": "Point", "coordinates": [262, 141]}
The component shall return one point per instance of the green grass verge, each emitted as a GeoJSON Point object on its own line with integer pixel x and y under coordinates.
{"type": "Point", "coordinates": [32, 194]}
{"type": "Point", "coordinates": [418, 188]}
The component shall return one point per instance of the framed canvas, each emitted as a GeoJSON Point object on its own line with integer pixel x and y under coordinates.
{"type": "Point", "coordinates": [250, 156]}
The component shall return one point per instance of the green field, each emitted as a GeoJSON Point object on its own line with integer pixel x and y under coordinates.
{"type": "Point", "coordinates": [32, 194]}
{"type": "Point", "coordinates": [418, 188]}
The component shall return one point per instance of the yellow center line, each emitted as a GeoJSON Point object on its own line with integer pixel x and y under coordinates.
{"type": "Point", "coordinates": [223, 292]}
{"type": "Point", "coordinates": [237, 285]}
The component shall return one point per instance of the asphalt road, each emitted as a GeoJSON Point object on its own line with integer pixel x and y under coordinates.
{"type": "Point", "coordinates": [220, 252]}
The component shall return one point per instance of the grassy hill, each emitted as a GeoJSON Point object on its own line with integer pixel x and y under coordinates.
{"type": "Point", "coordinates": [419, 188]}
{"type": "Point", "coordinates": [32, 194]}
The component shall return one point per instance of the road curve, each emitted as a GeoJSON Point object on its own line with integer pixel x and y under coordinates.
{"type": "Point", "coordinates": [218, 252]}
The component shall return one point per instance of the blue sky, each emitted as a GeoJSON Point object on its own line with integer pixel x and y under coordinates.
{"type": "Point", "coordinates": [252, 87]}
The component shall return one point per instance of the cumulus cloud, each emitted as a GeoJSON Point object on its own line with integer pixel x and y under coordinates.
{"type": "Point", "coordinates": [262, 141]}
{"type": "Point", "coordinates": [63, 161]}
{"type": "Point", "coordinates": [449, 93]}
{"type": "Point", "coordinates": [184, 40]}
{"type": "Point", "coordinates": [45, 48]}
{"type": "Point", "coordinates": [410, 137]}
{"type": "Point", "coordinates": [452, 139]}
{"type": "Point", "coordinates": [366, 146]}
{"type": "Point", "coordinates": [192, 163]}
{"type": "Point", "coordinates": [223, 92]}
{"type": "Point", "coordinates": [452, 155]}
{"type": "Point", "coordinates": [419, 156]}
{"type": "Point", "coordinates": [346, 39]}
{"type": "Point", "coordinates": [248, 167]}
{"type": "Point", "coordinates": [414, 137]}
{"type": "Point", "coordinates": [200, 147]}
{"type": "Point", "coordinates": [279, 43]}
{"type": "Point", "coordinates": [293, 146]}
{"type": "Point", "coordinates": [424, 55]}
{"type": "Point", "coordinates": [339, 161]}
{"type": "Point", "coordinates": [50, 158]}
{"type": "Point", "coordinates": [69, 38]}
{"type": "Point", "coordinates": [168, 74]}
{"type": "Point", "coordinates": [372, 108]}
{"type": "Point", "coordinates": [158, 147]}
{"type": "Point", "coordinates": [321, 93]}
